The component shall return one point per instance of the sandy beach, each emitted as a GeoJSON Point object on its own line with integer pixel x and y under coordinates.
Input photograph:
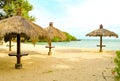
{"type": "Point", "coordinates": [65, 64]}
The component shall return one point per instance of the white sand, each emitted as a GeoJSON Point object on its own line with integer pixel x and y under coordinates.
{"type": "Point", "coordinates": [65, 64]}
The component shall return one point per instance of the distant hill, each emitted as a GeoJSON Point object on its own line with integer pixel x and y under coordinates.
{"type": "Point", "coordinates": [70, 37]}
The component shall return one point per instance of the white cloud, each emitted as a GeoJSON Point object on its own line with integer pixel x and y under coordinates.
{"type": "Point", "coordinates": [86, 15]}
{"type": "Point", "coordinates": [94, 13]}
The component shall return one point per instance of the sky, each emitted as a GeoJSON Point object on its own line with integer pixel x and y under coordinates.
{"type": "Point", "coordinates": [77, 17]}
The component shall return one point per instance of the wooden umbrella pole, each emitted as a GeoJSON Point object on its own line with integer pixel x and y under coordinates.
{"type": "Point", "coordinates": [49, 53]}
{"type": "Point", "coordinates": [100, 43]}
{"type": "Point", "coordinates": [18, 65]}
{"type": "Point", "coordinates": [18, 43]}
{"type": "Point", "coordinates": [10, 45]}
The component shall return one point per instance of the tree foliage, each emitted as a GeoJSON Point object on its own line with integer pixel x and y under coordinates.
{"type": "Point", "coordinates": [13, 7]}
{"type": "Point", "coordinates": [2, 3]}
{"type": "Point", "coordinates": [116, 70]}
{"type": "Point", "coordinates": [69, 37]}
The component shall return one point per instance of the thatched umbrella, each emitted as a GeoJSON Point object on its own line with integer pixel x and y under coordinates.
{"type": "Point", "coordinates": [37, 28]}
{"type": "Point", "coordinates": [102, 32]}
{"type": "Point", "coordinates": [18, 26]}
{"type": "Point", "coordinates": [51, 33]}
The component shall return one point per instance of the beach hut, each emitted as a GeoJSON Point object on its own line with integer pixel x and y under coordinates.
{"type": "Point", "coordinates": [102, 32]}
{"type": "Point", "coordinates": [17, 26]}
{"type": "Point", "coordinates": [51, 33]}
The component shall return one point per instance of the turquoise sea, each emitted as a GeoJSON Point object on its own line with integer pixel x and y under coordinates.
{"type": "Point", "coordinates": [111, 44]}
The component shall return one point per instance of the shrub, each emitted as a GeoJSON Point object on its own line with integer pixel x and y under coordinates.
{"type": "Point", "coordinates": [116, 70]}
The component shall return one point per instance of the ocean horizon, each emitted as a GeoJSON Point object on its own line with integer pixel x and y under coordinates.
{"type": "Point", "coordinates": [111, 44]}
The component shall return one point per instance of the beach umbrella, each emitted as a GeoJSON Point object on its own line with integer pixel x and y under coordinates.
{"type": "Point", "coordinates": [51, 33]}
{"type": "Point", "coordinates": [17, 26]}
{"type": "Point", "coordinates": [102, 32]}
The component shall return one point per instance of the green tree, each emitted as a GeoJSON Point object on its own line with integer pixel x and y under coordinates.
{"type": "Point", "coordinates": [2, 3]}
{"type": "Point", "coordinates": [14, 7]}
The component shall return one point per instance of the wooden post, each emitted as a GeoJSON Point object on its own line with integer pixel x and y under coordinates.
{"type": "Point", "coordinates": [49, 53]}
{"type": "Point", "coordinates": [10, 45]}
{"type": "Point", "coordinates": [101, 33]}
{"type": "Point", "coordinates": [100, 43]}
{"type": "Point", "coordinates": [18, 65]}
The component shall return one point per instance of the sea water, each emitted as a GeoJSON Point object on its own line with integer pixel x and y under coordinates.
{"type": "Point", "coordinates": [111, 44]}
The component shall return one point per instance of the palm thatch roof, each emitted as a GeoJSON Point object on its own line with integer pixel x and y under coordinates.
{"type": "Point", "coordinates": [19, 25]}
{"type": "Point", "coordinates": [51, 33]}
{"type": "Point", "coordinates": [102, 31]}
{"type": "Point", "coordinates": [54, 32]}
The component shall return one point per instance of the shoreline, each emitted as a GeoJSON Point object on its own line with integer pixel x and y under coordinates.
{"type": "Point", "coordinates": [89, 48]}
{"type": "Point", "coordinates": [88, 43]}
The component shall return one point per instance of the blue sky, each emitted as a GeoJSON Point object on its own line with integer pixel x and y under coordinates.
{"type": "Point", "coordinates": [78, 17]}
